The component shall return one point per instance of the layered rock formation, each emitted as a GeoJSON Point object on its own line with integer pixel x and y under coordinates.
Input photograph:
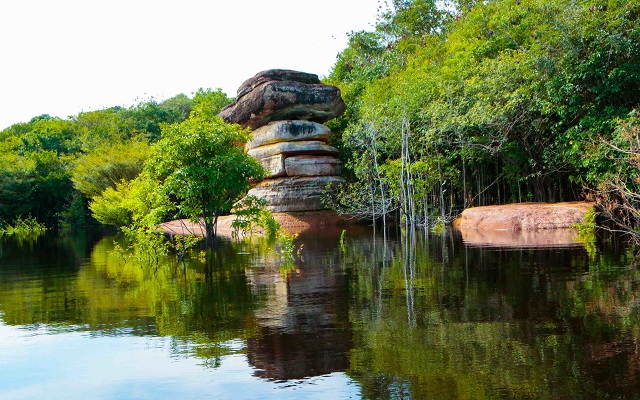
{"type": "Point", "coordinates": [286, 110]}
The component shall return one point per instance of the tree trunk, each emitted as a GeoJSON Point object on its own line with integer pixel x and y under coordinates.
{"type": "Point", "coordinates": [210, 228]}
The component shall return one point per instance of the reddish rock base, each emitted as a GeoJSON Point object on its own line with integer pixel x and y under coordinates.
{"type": "Point", "coordinates": [522, 239]}
{"type": "Point", "coordinates": [292, 222]}
{"type": "Point", "coordinates": [524, 216]}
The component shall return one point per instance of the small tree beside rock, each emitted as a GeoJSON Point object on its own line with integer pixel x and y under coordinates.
{"type": "Point", "coordinates": [201, 165]}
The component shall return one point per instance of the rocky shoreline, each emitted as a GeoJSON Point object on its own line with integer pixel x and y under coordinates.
{"type": "Point", "coordinates": [524, 216]}
{"type": "Point", "coordinates": [291, 222]}
{"type": "Point", "coordinates": [523, 225]}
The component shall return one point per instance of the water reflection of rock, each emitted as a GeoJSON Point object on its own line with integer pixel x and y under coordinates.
{"type": "Point", "coordinates": [304, 324]}
{"type": "Point", "coordinates": [521, 239]}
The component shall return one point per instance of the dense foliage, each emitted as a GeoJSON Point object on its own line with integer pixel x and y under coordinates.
{"type": "Point", "coordinates": [50, 168]}
{"type": "Point", "coordinates": [201, 163]}
{"type": "Point", "coordinates": [488, 102]}
{"type": "Point", "coordinates": [197, 170]}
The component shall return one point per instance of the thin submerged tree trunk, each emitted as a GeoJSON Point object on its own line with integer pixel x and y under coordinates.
{"type": "Point", "coordinates": [373, 206]}
{"type": "Point", "coordinates": [403, 166]}
{"type": "Point", "coordinates": [409, 249]}
{"type": "Point", "coordinates": [374, 146]}
{"type": "Point", "coordinates": [407, 178]}
{"type": "Point", "coordinates": [442, 204]}
{"type": "Point", "coordinates": [478, 184]}
{"type": "Point", "coordinates": [426, 215]}
{"type": "Point", "coordinates": [464, 183]}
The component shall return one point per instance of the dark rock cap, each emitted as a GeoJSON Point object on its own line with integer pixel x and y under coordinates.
{"type": "Point", "coordinates": [276, 75]}
{"type": "Point", "coordinates": [274, 95]}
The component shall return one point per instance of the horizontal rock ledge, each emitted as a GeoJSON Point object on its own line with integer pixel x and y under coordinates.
{"type": "Point", "coordinates": [296, 193]}
{"type": "Point", "coordinates": [306, 147]}
{"type": "Point", "coordinates": [288, 131]}
{"type": "Point", "coordinates": [312, 165]}
{"type": "Point", "coordinates": [524, 216]}
{"type": "Point", "coordinates": [273, 166]}
{"type": "Point", "coordinates": [279, 166]}
{"type": "Point", "coordinates": [276, 75]}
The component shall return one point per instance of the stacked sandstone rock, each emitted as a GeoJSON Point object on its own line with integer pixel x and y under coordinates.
{"type": "Point", "coordinates": [286, 110]}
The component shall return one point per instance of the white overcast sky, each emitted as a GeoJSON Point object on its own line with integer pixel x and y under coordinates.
{"type": "Point", "coordinates": [65, 56]}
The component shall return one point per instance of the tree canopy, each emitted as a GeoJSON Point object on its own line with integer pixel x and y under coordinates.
{"type": "Point", "coordinates": [51, 167]}
{"type": "Point", "coordinates": [201, 163]}
{"type": "Point", "coordinates": [486, 103]}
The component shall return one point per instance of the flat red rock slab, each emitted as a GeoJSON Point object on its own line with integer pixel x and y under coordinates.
{"type": "Point", "coordinates": [524, 216]}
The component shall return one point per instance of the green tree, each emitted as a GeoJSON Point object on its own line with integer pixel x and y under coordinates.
{"type": "Point", "coordinates": [34, 184]}
{"type": "Point", "coordinates": [500, 101]}
{"type": "Point", "coordinates": [208, 102]}
{"type": "Point", "coordinates": [96, 150]}
{"type": "Point", "coordinates": [108, 165]}
{"type": "Point", "coordinates": [16, 189]}
{"type": "Point", "coordinates": [618, 193]}
{"type": "Point", "coordinates": [201, 164]}
{"type": "Point", "coordinates": [139, 204]}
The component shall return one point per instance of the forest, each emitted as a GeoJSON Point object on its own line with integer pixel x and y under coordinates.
{"type": "Point", "coordinates": [448, 106]}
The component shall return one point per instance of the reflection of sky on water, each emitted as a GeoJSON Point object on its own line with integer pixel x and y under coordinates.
{"type": "Point", "coordinates": [77, 366]}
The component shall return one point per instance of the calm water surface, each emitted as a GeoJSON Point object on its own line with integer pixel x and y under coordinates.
{"type": "Point", "coordinates": [400, 316]}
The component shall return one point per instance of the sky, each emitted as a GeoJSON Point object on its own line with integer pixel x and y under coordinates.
{"type": "Point", "coordinates": [66, 56]}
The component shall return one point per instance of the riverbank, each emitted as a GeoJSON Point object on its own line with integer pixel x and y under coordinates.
{"type": "Point", "coordinates": [291, 222]}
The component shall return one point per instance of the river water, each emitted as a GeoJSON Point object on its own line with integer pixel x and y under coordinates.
{"type": "Point", "coordinates": [371, 316]}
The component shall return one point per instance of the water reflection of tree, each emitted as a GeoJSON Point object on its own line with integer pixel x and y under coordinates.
{"type": "Point", "coordinates": [202, 306]}
{"type": "Point", "coordinates": [406, 317]}
{"type": "Point", "coordinates": [36, 275]}
{"type": "Point", "coordinates": [235, 300]}
{"type": "Point", "coordinates": [433, 319]}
